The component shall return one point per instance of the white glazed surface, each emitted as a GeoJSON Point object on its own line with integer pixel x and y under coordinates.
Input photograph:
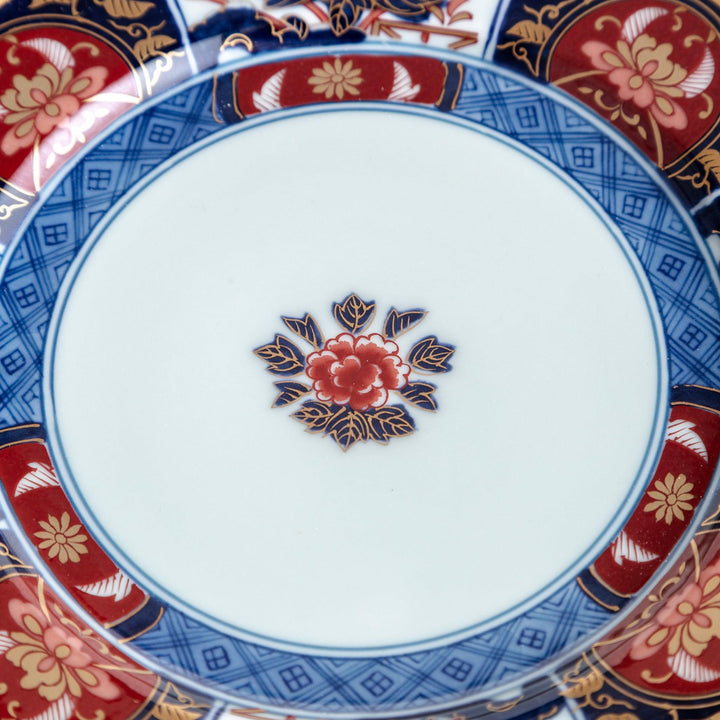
{"type": "Point", "coordinates": [164, 411]}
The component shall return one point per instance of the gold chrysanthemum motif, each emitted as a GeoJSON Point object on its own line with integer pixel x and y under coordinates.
{"type": "Point", "coordinates": [671, 498]}
{"type": "Point", "coordinates": [334, 80]}
{"type": "Point", "coordinates": [62, 540]}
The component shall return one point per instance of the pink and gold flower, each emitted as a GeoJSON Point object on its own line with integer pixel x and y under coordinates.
{"type": "Point", "coordinates": [34, 107]}
{"type": "Point", "coordinates": [55, 660]}
{"type": "Point", "coordinates": [688, 621]}
{"type": "Point", "coordinates": [645, 75]}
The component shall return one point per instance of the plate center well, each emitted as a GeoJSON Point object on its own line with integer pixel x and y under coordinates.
{"type": "Point", "coordinates": [165, 434]}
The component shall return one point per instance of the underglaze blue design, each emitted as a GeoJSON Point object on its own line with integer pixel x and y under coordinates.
{"type": "Point", "coordinates": [626, 193]}
{"type": "Point", "coordinates": [537, 38]}
{"type": "Point", "coordinates": [417, 679]}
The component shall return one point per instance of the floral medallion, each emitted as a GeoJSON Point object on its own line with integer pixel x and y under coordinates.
{"type": "Point", "coordinates": [351, 376]}
{"type": "Point", "coordinates": [65, 87]}
{"type": "Point", "coordinates": [649, 69]}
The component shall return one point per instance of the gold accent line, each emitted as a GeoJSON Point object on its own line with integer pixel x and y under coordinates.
{"type": "Point", "coordinates": [680, 403]}
{"type": "Point", "coordinates": [236, 107]}
{"type": "Point", "coordinates": [577, 76]}
{"type": "Point", "coordinates": [696, 557]}
{"type": "Point", "coordinates": [17, 575]}
{"type": "Point", "coordinates": [15, 565]}
{"type": "Point", "coordinates": [20, 427]}
{"type": "Point", "coordinates": [613, 608]}
{"type": "Point", "coordinates": [23, 442]}
{"type": "Point", "coordinates": [503, 707]}
{"type": "Point", "coordinates": [657, 139]}
{"type": "Point", "coordinates": [238, 39]}
{"type": "Point", "coordinates": [27, 193]}
{"type": "Point", "coordinates": [593, 572]}
{"type": "Point", "coordinates": [130, 671]}
{"type": "Point", "coordinates": [550, 713]}
{"type": "Point", "coordinates": [42, 599]}
{"type": "Point", "coordinates": [147, 701]}
{"type": "Point", "coordinates": [699, 387]}
{"type": "Point", "coordinates": [438, 102]}
{"type": "Point", "coordinates": [132, 613]}
{"type": "Point", "coordinates": [144, 630]}
{"type": "Point", "coordinates": [706, 531]}
{"type": "Point", "coordinates": [461, 72]}
{"type": "Point", "coordinates": [214, 101]}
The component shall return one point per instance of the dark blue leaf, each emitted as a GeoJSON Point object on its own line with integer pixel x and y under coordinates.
{"type": "Point", "coordinates": [315, 415]}
{"type": "Point", "coordinates": [407, 8]}
{"type": "Point", "coordinates": [429, 355]}
{"type": "Point", "coordinates": [354, 314]}
{"type": "Point", "coordinates": [421, 395]}
{"type": "Point", "coordinates": [282, 357]}
{"type": "Point", "coordinates": [289, 392]}
{"type": "Point", "coordinates": [348, 427]}
{"type": "Point", "coordinates": [299, 25]}
{"type": "Point", "coordinates": [307, 329]}
{"type": "Point", "coordinates": [397, 323]}
{"type": "Point", "coordinates": [389, 422]}
{"type": "Point", "coordinates": [344, 14]}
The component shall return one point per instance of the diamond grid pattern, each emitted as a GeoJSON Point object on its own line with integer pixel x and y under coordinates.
{"type": "Point", "coordinates": [632, 200]}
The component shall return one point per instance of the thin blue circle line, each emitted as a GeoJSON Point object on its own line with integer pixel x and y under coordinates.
{"type": "Point", "coordinates": [650, 456]}
{"type": "Point", "coordinates": [404, 50]}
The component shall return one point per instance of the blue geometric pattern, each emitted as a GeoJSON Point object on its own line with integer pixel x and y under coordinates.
{"type": "Point", "coordinates": [685, 294]}
{"type": "Point", "coordinates": [683, 288]}
{"type": "Point", "coordinates": [375, 684]}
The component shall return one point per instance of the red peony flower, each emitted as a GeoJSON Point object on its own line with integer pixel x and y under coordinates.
{"type": "Point", "coordinates": [357, 371]}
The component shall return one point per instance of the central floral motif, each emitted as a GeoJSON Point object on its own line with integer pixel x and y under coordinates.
{"type": "Point", "coordinates": [353, 374]}
{"type": "Point", "coordinates": [357, 371]}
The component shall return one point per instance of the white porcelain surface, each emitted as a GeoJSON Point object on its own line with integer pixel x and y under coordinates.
{"type": "Point", "coordinates": [543, 425]}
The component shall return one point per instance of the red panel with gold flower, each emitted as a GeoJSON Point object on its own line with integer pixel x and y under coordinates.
{"type": "Point", "coordinates": [650, 68]}
{"type": "Point", "coordinates": [663, 661]}
{"type": "Point", "coordinates": [69, 68]}
{"type": "Point", "coordinates": [77, 561]}
{"type": "Point", "coordinates": [53, 666]}
{"type": "Point", "coordinates": [337, 78]}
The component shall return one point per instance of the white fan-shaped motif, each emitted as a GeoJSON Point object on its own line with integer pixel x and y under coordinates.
{"type": "Point", "coordinates": [625, 549]}
{"type": "Point", "coordinates": [639, 20]}
{"type": "Point", "coordinates": [701, 77]}
{"type": "Point", "coordinates": [269, 96]}
{"type": "Point", "coordinates": [119, 586]}
{"type": "Point", "coordinates": [688, 668]}
{"type": "Point", "coordinates": [63, 709]}
{"type": "Point", "coordinates": [682, 431]}
{"type": "Point", "coordinates": [6, 642]}
{"type": "Point", "coordinates": [41, 475]}
{"type": "Point", "coordinates": [55, 52]}
{"type": "Point", "coordinates": [403, 88]}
